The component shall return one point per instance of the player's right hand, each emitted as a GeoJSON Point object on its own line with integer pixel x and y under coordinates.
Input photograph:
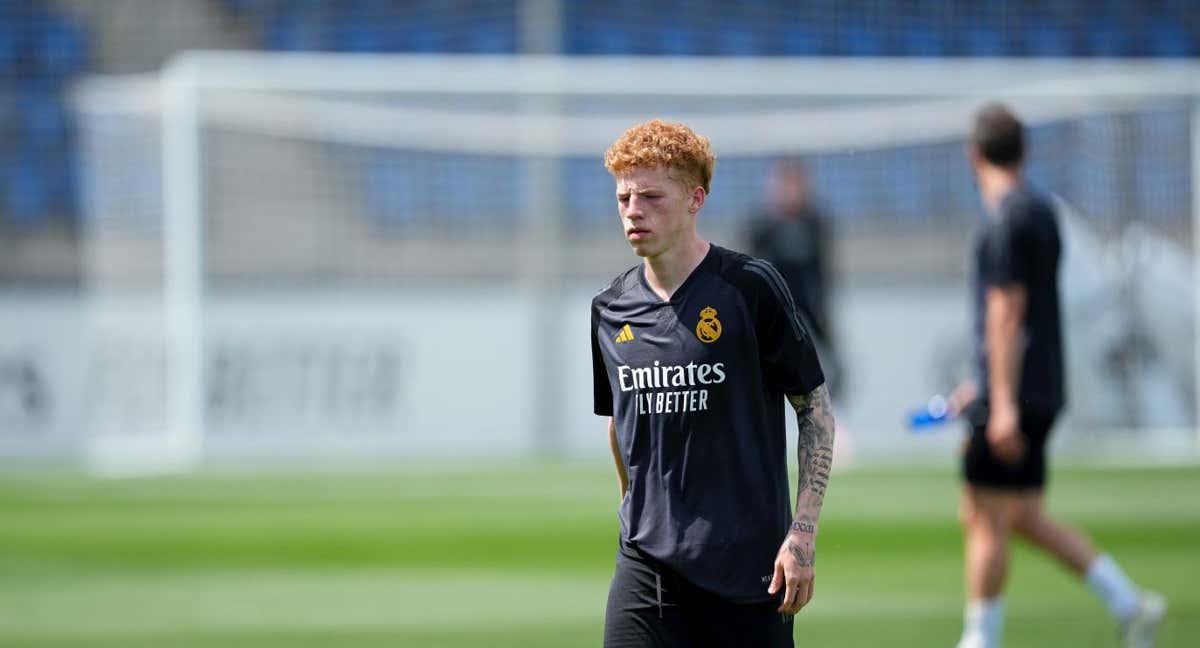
{"type": "Point", "coordinates": [794, 573]}
{"type": "Point", "coordinates": [1004, 434]}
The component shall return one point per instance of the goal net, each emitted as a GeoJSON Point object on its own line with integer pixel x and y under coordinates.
{"type": "Point", "coordinates": [384, 255]}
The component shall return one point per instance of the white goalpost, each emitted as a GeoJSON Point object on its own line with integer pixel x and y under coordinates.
{"type": "Point", "coordinates": [444, 216]}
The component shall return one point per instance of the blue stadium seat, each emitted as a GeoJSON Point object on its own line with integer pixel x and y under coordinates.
{"type": "Point", "coordinates": [737, 39]}
{"type": "Point", "coordinates": [1106, 36]}
{"type": "Point", "coordinates": [800, 39]}
{"type": "Point", "coordinates": [10, 46]}
{"type": "Point", "coordinates": [578, 29]}
{"type": "Point", "coordinates": [43, 116]}
{"type": "Point", "coordinates": [837, 179]}
{"type": "Point", "coordinates": [985, 40]}
{"type": "Point", "coordinates": [62, 46]}
{"type": "Point", "coordinates": [63, 183]}
{"type": "Point", "coordinates": [678, 39]}
{"type": "Point", "coordinates": [579, 40]}
{"type": "Point", "coordinates": [614, 38]}
{"type": "Point", "coordinates": [27, 194]}
{"type": "Point", "coordinates": [293, 31]}
{"type": "Point", "coordinates": [10, 116]}
{"type": "Point", "coordinates": [486, 38]}
{"type": "Point", "coordinates": [360, 34]}
{"type": "Point", "coordinates": [418, 35]}
{"type": "Point", "coordinates": [589, 194]}
{"type": "Point", "coordinates": [907, 186]}
{"type": "Point", "coordinates": [1168, 38]}
{"type": "Point", "coordinates": [923, 38]}
{"type": "Point", "coordinates": [1046, 38]}
{"type": "Point", "coordinates": [862, 39]}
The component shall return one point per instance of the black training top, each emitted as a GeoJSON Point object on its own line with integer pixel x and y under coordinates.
{"type": "Point", "coordinates": [1020, 245]}
{"type": "Point", "coordinates": [695, 386]}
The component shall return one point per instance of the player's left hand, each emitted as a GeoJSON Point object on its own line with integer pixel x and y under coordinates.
{"type": "Point", "coordinates": [794, 570]}
{"type": "Point", "coordinates": [1004, 434]}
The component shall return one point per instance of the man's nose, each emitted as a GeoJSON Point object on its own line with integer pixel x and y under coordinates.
{"type": "Point", "coordinates": [635, 207]}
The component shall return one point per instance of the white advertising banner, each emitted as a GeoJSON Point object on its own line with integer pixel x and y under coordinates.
{"type": "Point", "coordinates": [405, 374]}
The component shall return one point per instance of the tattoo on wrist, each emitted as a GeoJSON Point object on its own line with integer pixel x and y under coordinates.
{"type": "Point", "coordinates": [804, 525]}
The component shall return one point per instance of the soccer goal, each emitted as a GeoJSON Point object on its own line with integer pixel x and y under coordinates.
{"type": "Point", "coordinates": [382, 255]}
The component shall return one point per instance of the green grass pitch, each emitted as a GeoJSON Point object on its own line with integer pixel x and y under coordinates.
{"type": "Point", "coordinates": [520, 555]}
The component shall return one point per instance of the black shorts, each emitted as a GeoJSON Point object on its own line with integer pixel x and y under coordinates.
{"type": "Point", "coordinates": [650, 606]}
{"type": "Point", "coordinates": [982, 468]}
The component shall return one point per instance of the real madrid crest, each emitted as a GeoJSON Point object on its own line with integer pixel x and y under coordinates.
{"type": "Point", "coordinates": [708, 329]}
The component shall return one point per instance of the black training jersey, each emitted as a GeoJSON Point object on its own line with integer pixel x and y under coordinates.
{"type": "Point", "coordinates": [695, 386]}
{"type": "Point", "coordinates": [1021, 246]}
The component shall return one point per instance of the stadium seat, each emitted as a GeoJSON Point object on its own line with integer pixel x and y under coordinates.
{"type": "Point", "coordinates": [62, 180]}
{"type": "Point", "coordinates": [43, 116]}
{"type": "Point", "coordinates": [798, 39]}
{"type": "Point", "coordinates": [616, 40]}
{"type": "Point", "coordinates": [487, 38]}
{"type": "Point", "coordinates": [10, 115]}
{"type": "Point", "coordinates": [578, 29]}
{"type": "Point", "coordinates": [354, 33]}
{"type": "Point", "coordinates": [737, 39]}
{"type": "Point", "coordinates": [985, 40]}
{"type": "Point", "coordinates": [588, 194]}
{"type": "Point", "coordinates": [922, 39]}
{"type": "Point", "coordinates": [27, 196]}
{"type": "Point", "coordinates": [1106, 36]}
{"type": "Point", "coordinates": [679, 40]}
{"type": "Point", "coordinates": [848, 188]}
{"type": "Point", "coordinates": [862, 39]}
{"type": "Point", "coordinates": [1046, 38]}
{"type": "Point", "coordinates": [577, 40]}
{"type": "Point", "coordinates": [61, 46]}
{"type": "Point", "coordinates": [1168, 38]}
{"type": "Point", "coordinates": [908, 195]}
{"type": "Point", "coordinates": [291, 31]}
{"type": "Point", "coordinates": [9, 46]}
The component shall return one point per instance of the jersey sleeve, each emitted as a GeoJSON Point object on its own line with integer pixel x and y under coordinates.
{"type": "Point", "coordinates": [602, 403]}
{"type": "Point", "coordinates": [1005, 254]}
{"type": "Point", "coordinates": [786, 352]}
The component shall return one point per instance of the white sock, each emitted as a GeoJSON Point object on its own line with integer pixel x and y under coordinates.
{"type": "Point", "coordinates": [1106, 579]}
{"type": "Point", "coordinates": [983, 623]}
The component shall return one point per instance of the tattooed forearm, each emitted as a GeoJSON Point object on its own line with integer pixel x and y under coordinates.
{"type": "Point", "coordinates": [819, 464]}
{"type": "Point", "coordinates": [814, 455]}
{"type": "Point", "coordinates": [805, 449]}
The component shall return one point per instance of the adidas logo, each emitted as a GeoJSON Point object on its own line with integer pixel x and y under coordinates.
{"type": "Point", "coordinates": [626, 335]}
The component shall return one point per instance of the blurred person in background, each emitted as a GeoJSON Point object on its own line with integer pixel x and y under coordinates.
{"type": "Point", "coordinates": [792, 232]}
{"type": "Point", "coordinates": [693, 351]}
{"type": "Point", "coordinates": [1018, 393]}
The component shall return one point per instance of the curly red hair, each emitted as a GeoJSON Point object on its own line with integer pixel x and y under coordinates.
{"type": "Point", "coordinates": [687, 156]}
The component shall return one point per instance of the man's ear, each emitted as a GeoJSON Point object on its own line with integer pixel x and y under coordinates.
{"type": "Point", "coordinates": [697, 199]}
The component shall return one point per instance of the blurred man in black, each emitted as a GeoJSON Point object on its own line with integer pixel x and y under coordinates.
{"type": "Point", "coordinates": [1016, 396]}
{"type": "Point", "coordinates": [791, 232]}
